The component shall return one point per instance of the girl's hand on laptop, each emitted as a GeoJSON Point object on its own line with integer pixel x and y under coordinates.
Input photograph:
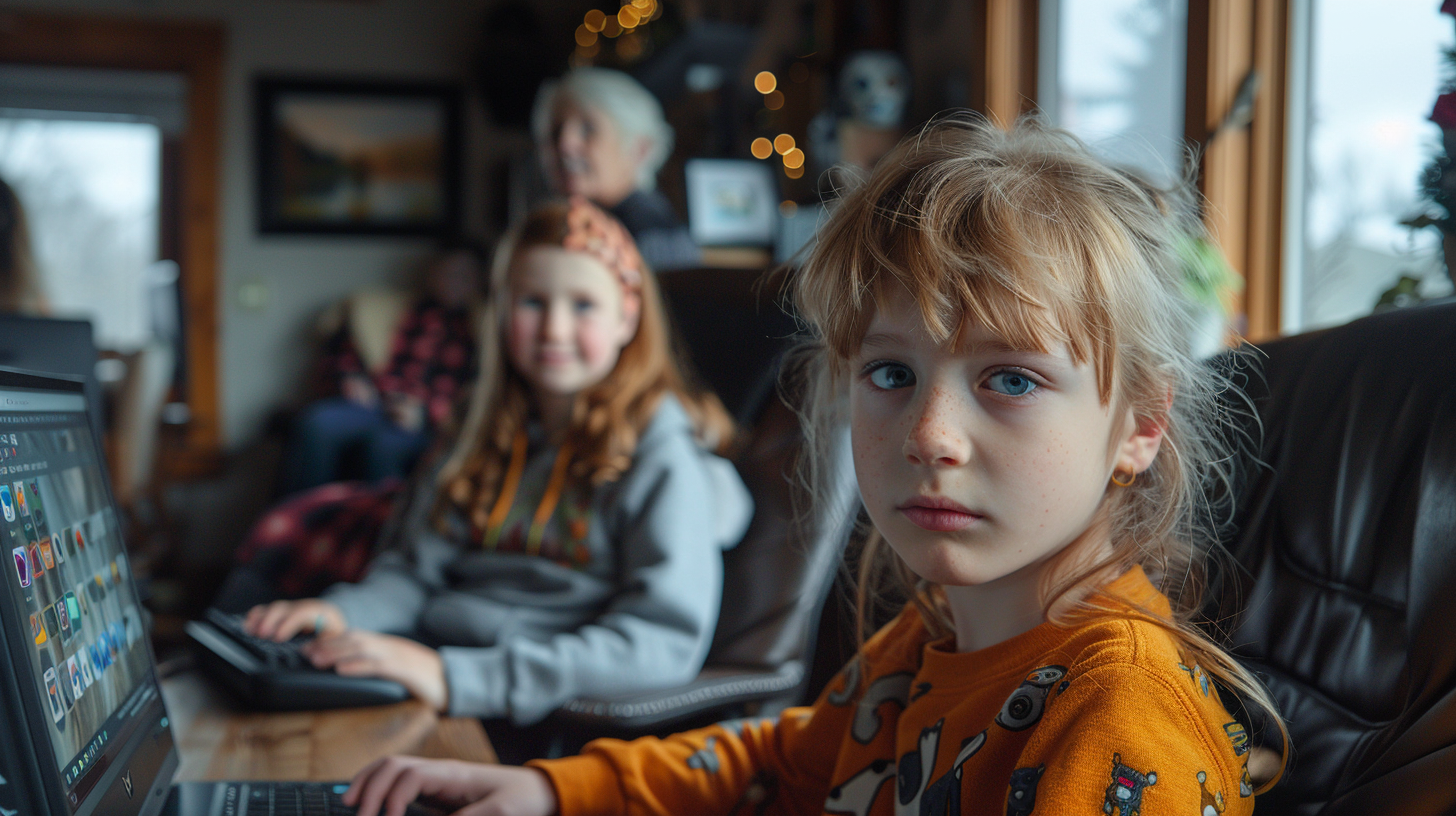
{"type": "Point", "coordinates": [358, 653]}
{"type": "Point", "coordinates": [282, 620]}
{"type": "Point", "coordinates": [389, 785]}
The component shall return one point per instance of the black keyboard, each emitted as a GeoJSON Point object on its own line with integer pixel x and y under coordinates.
{"type": "Point", "coordinates": [275, 655]}
{"type": "Point", "coordinates": [294, 799]}
{"type": "Point", "coordinates": [272, 676]}
{"type": "Point", "coordinates": [291, 799]}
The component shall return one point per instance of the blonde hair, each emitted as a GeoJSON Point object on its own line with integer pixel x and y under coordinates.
{"type": "Point", "coordinates": [607, 419]}
{"type": "Point", "coordinates": [1026, 233]}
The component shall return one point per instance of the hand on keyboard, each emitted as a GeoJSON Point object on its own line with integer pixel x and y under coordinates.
{"type": "Point", "coordinates": [282, 620]}
{"type": "Point", "coordinates": [275, 655]}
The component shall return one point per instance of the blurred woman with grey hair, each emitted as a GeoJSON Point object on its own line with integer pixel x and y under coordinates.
{"type": "Point", "coordinates": [601, 135]}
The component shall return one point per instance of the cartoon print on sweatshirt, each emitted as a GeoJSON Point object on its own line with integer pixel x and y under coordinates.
{"type": "Point", "coordinates": [850, 675]}
{"type": "Point", "coordinates": [855, 795]}
{"type": "Point", "coordinates": [1238, 736]}
{"type": "Point", "coordinates": [1210, 804]}
{"type": "Point", "coordinates": [916, 794]}
{"type": "Point", "coordinates": [1246, 786]}
{"type": "Point", "coordinates": [1022, 797]}
{"type": "Point", "coordinates": [1024, 707]}
{"type": "Point", "coordinates": [706, 757]}
{"type": "Point", "coordinates": [892, 688]}
{"type": "Point", "coordinates": [1197, 675]}
{"type": "Point", "coordinates": [1125, 794]}
{"type": "Point", "coordinates": [921, 689]}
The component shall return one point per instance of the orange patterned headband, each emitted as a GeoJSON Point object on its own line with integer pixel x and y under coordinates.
{"type": "Point", "coordinates": [590, 230]}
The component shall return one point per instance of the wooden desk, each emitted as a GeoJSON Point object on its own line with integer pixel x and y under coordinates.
{"type": "Point", "coordinates": [216, 741]}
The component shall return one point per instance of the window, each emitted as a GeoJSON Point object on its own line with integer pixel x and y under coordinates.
{"type": "Point", "coordinates": [1358, 141]}
{"type": "Point", "coordinates": [1112, 73]}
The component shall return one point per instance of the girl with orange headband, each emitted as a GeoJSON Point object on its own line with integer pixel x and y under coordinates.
{"type": "Point", "coordinates": [570, 543]}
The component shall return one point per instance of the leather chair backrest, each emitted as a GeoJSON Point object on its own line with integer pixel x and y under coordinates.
{"type": "Point", "coordinates": [1348, 537]}
{"type": "Point", "coordinates": [776, 578]}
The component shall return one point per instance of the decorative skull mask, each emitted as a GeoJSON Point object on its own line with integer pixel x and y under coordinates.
{"type": "Point", "coordinates": [875, 86]}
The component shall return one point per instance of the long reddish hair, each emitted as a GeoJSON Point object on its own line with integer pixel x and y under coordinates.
{"type": "Point", "coordinates": [606, 421]}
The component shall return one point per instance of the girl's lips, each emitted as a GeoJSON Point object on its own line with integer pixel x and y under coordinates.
{"type": "Point", "coordinates": [939, 515]}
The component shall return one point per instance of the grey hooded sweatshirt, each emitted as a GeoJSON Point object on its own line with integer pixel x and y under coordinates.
{"type": "Point", "coordinates": [620, 595]}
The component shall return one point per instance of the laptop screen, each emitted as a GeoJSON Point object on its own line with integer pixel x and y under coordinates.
{"type": "Point", "coordinates": [68, 591]}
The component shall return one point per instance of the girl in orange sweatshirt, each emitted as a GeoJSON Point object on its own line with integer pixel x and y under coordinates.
{"type": "Point", "coordinates": [1000, 319]}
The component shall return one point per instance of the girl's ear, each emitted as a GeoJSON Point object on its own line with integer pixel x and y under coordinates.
{"type": "Point", "coordinates": [1135, 453]}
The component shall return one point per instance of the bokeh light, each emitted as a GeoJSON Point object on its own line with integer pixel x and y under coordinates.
{"type": "Point", "coordinates": [585, 37]}
{"type": "Point", "coordinates": [594, 20]}
{"type": "Point", "coordinates": [788, 209]}
{"type": "Point", "coordinates": [774, 100]}
{"type": "Point", "coordinates": [783, 143]}
{"type": "Point", "coordinates": [611, 27]}
{"type": "Point", "coordinates": [628, 17]}
{"type": "Point", "coordinates": [761, 148]}
{"type": "Point", "coordinates": [794, 158]}
{"type": "Point", "coordinates": [765, 82]}
{"type": "Point", "coordinates": [629, 47]}
{"type": "Point", "coordinates": [794, 172]}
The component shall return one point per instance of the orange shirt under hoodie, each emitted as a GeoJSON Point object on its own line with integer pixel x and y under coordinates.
{"type": "Point", "coordinates": [1104, 717]}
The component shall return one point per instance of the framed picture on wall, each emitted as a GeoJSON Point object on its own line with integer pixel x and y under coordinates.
{"type": "Point", "coordinates": [731, 202]}
{"type": "Point", "coordinates": [365, 158]}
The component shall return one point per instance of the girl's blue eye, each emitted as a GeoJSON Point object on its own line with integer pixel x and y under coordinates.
{"type": "Point", "coordinates": [891, 376]}
{"type": "Point", "coordinates": [583, 306]}
{"type": "Point", "coordinates": [532, 302]}
{"type": "Point", "coordinates": [1011, 383]}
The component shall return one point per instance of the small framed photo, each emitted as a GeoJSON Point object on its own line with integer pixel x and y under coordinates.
{"type": "Point", "coordinates": [731, 202]}
{"type": "Point", "coordinates": [365, 158]}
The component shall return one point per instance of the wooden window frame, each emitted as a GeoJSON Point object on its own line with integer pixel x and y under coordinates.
{"type": "Point", "coordinates": [194, 49]}
{"type": "Point", "coordinates": [1242, 173]}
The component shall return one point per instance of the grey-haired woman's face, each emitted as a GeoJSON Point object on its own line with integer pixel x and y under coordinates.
{"type": "Point", "coordinates": [586, 155]}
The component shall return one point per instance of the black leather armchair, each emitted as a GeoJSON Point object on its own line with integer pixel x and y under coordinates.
{"type": "Point", "coordinates": [1346, 555]}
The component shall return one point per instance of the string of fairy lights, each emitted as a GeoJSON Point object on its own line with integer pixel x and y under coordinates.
{"type": "Point", "coordinates": [622, 26]}
{"type": "Point", "coordinates": [783, 144]}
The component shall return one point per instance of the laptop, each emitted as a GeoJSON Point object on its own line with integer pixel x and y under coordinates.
{"type": "Point", "coordinates": [83, 728]}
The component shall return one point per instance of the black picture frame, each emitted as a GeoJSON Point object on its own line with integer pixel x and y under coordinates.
{"type": "Point", "coordinates": [357, 157]}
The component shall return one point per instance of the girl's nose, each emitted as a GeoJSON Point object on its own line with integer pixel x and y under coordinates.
{"type": "Point", "coordinates": [557, 325]}
{"type": "Point", "coordinates": [939, 437]}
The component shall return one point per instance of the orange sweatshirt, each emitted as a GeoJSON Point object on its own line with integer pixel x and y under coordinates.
{"type": "Point", "coordinates": [1105, 718]}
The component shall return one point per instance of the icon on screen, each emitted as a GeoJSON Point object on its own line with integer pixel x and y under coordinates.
{"type": "Point", "coordinates": [80, 540]}
{"type": "Point", "coordinates": [37, 568]}
{"type": "Point", "coordinates": [65, 620]}
{"type": "Point", "coordinates": [46, 556]}
{"type": "Point", "coordinates": [68, 540]}
{"type": "Point", "coordinates": [37, 628]}
{"type": "Point", "coordinates": [48, 617]}
{"type": "Point", "coordinates": [73, 608]}
{"type": "Point", "coordinates": [7, 503]}
{"type": "Point", "coordinates": [58, 549]}
{"type": "Point", "coordinates": [78, 685]}
{"type": "Point", "coordinates": [53, 692]}
{"type": "Point", "coordinates": [20, 503]}
{"type": "Point", "coordinates": [22, 566]}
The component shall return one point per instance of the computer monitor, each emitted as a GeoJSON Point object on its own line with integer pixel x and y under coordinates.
{"type": "Point", "coordinates": [85, 730]}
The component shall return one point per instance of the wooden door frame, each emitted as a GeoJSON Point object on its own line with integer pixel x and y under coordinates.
{"type": "Point", "coordinates": [194, 49]}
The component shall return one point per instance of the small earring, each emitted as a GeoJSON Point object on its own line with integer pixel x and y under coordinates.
{"type": "Point", "coordinates": [1131, 477]}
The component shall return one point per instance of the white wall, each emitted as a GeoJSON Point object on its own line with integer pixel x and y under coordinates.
{"type": "Point", "coordinates": [263, 351]}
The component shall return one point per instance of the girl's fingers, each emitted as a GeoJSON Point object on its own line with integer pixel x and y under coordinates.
{"type": "Point", "coordinates": [361, 781]}
{"type": "Point", "coordinates": [405, 790]}
{"type": "Point", "coordinates": [377, 786]}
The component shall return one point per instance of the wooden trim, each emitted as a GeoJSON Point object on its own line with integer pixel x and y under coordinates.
{"type": "Point", "coordinates": [1004, 58]}
{"type": "Point", "coordinates": [194, 49]}
{"type": "Point", "coordinates": [1241, 175]}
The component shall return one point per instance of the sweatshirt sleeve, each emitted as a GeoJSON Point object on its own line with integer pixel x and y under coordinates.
{"type": "Point", "coordinates": [783, 765]}
{"type": "Point", "coordinates": [401, 579]}
{"type": "Point", "coordinates": [1125, 740]}
{"type": "Point", "coordinates": [671, 516]}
